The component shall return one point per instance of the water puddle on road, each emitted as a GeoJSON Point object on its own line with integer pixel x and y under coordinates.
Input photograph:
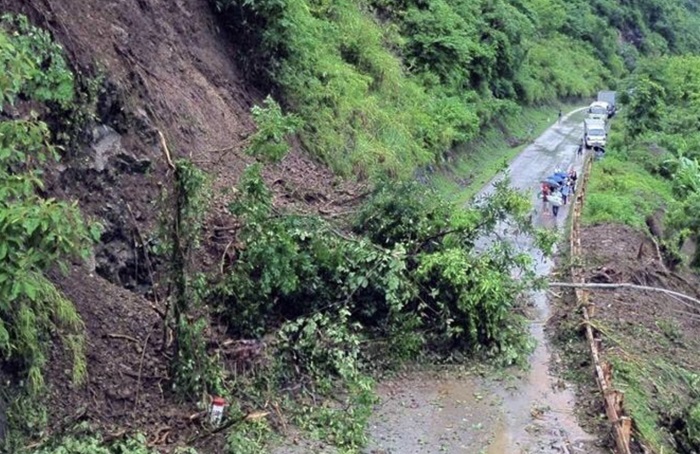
{"type": "Point", "coordinates": [468, 413]}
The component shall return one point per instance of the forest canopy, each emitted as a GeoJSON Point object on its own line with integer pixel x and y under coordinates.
{"type": "Point", "coordinates": [386, 86]}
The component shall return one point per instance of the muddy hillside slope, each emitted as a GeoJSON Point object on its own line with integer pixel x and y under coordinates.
{"type": "Point", "coordinates": [164, 69]}
{"type": "Point", "coordinates": [164, 66]}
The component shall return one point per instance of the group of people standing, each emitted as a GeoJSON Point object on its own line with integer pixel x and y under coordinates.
{"type": "Point", "coordinates": [557, 189]}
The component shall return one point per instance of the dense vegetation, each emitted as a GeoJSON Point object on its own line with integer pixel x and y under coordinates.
{"type": "Point", "coordinates": [407, 282]}
{"type": "Point", "coordinates": [35, 233]}
{"type": "Point", "coordinates": [390, 85]}
{"type": "Point", "coordinates": [653, 160]}
{"type": "Point", "coordinates": [375, 88]}
{"type": "Point", "coordinates": [650, 179]}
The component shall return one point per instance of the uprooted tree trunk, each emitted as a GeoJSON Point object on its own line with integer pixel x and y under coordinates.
{"type": "Point", "coordinates": [182, 225]}
{"type": "Point", "coordinates": [178, 260]}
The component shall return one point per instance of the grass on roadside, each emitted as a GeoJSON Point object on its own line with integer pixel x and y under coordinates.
{"type": "Point", "coordinates": [657, 395]}
{"type": "Point", "coordinates": [622, 191]}
{"type": "Point", "coordinates": [477, 162]}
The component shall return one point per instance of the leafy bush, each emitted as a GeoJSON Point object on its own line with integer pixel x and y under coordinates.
{"type": "Point", "coordinates": [35, 233]}
{"type": "Point", "coordinates": [414, 275]}
{"type": "Point", "coordinates": [197, 373]}
{"type": "Point", "coordinates": [623, 191]}
{"type": "Point", "coordinates": [249, 437]}
{"type": "Point", "coordinates": [34, 63]}
{"type": "Point", "coordinates": [693, 427]}
{"type": "Point", "coordinates": [87, 443]}
{"type": "Point", "coordinates": [326, 350]}
{"type": "Point", "coordinates": [408, 282]}
{"type": "Point", "coordinates": [269, 141]}
{"type": "Point", "coordinates": [293, 265]}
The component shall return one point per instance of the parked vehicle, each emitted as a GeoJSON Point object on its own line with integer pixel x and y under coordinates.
{"type": "Point", "coordinates": [608, 97]}
{"type": "Point", "coordinates": [598, 111]}
{"type": "Point", "coordinates": [594, 133]}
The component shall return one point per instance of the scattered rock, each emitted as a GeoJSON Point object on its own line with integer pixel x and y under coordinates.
{"type": "Point", "coordinates": [106, 142]}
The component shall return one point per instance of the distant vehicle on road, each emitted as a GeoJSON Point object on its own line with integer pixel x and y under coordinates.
{"type": "Point", "coordinates": [594, 133]}
{"type": "Point", "coordinates": [608, 97]}
{"type": "Point", "coordinates": [598, 111]}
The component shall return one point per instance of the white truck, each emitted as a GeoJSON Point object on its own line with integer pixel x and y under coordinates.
{"type": "Point", "coordinates": [598, 111]}
{"type": "Point", "coordinates": [594, 133]}
{"type": "Point", "coordinates": [608, 97]}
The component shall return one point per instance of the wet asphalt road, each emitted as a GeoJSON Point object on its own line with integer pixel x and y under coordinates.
{"type": "Point", "coordinates": [530, 413]}
{"type": "Point", "coordinates": [478, 413]}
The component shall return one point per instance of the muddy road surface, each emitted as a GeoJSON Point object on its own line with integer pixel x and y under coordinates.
{"type": "Point", "coordinates": [514, 412]}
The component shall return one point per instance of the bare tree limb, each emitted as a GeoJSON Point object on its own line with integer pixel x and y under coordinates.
{"type": "Point", "coordinates": [625, 285]}
{"type": "Point", "coordinates": [165, 149]}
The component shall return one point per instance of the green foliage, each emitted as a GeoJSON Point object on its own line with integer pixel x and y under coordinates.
{"type": "Point", "coordinates": [693, 427]}
{"type": "Point", "coordinates": [646, 107]}
{"type": "Point", "coordinates": [623, 191]}
{"type": "Point", "coordinates": [292, 265]}
{"type": "Point", "coordinates": [85, 442]}
{"type": "Point", "coordinates": [408, 279]}
{"type": "Point", "coordinates": [270, 140]}
{"type": "Point", "coordinates": [26, 415]}
{"type": "Point", "coordinates": [408, 282]}
{"type": "Point", "coordinates": [32, 64]}
{"type": "Point", "coordinates": [543, 78]}
{"type": "Point", "coordinates": [35, 233]}
{"type": "Point", "coordinates": [195, 373]}
{"type": "Point", "coordinates": [653, 162]}
{"type": "Point", "coordinates": [249, 437]}
{"type": "Point", "coordinates": [385, 86]}
{"type": "Point", "coordinates": [684, 217]}
{"type": "Point", "coordinates": [326, 350]}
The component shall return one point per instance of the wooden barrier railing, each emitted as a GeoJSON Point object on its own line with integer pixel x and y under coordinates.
{"type": "Point", "coordinates": [620, 423]}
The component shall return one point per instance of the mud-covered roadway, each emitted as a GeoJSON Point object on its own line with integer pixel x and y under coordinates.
{"type": "Point", "coordinates": [517, 411]}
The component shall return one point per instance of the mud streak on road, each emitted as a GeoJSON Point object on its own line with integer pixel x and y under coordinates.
{"type": "Point", "coordinates": [532, 413]}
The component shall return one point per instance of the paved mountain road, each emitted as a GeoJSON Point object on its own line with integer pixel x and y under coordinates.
{"type": "Point", "coordinates": [424, 414]}
{"type": "Point", "coordinates": [470, 413]}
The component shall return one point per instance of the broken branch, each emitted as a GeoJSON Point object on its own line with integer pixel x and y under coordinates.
{"type": "Point", "coordinates": [122, 336]}
{"type": "Point", "coordinates": [166, 150]}
{"type": "Point", "coordinates": [625, 285]}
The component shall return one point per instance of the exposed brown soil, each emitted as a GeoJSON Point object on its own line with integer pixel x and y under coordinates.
{"type": "Point", "coordinates": [612, 255]}
{"type": "Point", "coordinates": [127, 377]}
{"type": "Point", "coordinates": [632, 321]}
{"type": "Point", "coordinates": [167, 67]}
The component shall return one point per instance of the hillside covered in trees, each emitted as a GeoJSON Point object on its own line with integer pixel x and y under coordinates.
{"type": "Point", "coordinates": [216, 198]}
{"type": "Point", "coordinates": [396, 84]}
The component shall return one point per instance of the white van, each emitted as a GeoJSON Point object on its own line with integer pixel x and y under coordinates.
{"type": "Point", "coordinates": [598, 111]}
{"type": "Point", "coordinates": [594, 133]}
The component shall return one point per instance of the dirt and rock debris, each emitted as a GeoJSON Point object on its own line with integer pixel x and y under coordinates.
{"type": "Point", "coordinates": [638, 328]}
{"type": "Point", "coordinates": [166, 66]}
{"type": "Point", "coordinates": [162, 67]}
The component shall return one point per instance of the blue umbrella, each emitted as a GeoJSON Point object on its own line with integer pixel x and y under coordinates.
{"type": "Point", "coordinates": [557, 178]}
